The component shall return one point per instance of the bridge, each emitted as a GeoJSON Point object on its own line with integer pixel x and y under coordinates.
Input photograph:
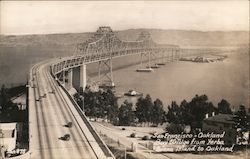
{"type": "Point", "coordinates": [102, 48]}
{"type": "Point", "coordinates": [52, 107]}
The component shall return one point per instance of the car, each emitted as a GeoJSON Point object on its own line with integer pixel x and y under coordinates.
{"type": "Point", "coordinates": [43, 96]}
{"type": "Point", "coordinates": [146, 137]}
{"type": "Point", "coordinates": [66, 137]}
{"type": "Point", "coordinates": [53, 91]}
{"type": "Point", "coordinates": [133, 135]}
{"type": "Point", "coordinates": [70, 124]}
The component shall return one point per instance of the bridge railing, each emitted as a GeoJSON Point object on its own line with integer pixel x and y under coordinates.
{"type": "Point", "coordinates": [75, 61]}
{"type": "Point", "coordinates": [98, 139]}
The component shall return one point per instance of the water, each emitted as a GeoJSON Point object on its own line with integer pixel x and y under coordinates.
{"type": "Point", "coordinates": [16, 61]}
{"type": "Point", "coordinates": [183, 80]}
{"type": "Point", "coordinates": [175, 81]}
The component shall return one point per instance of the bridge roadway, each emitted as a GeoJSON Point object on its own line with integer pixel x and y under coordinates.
{"type": "Point", "coordinates": [48, 116]}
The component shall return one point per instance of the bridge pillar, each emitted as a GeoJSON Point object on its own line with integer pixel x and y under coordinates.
{"type": "Point", "coordinates": [169, 55]}
{"type": "Point", "coordinates": [173, 54]}
{"type": "Point", "coordinates": [149, 59]}
{"type": "Point", "coordinates": [83, 76]}
{"type": "Point", "coordinates": [177, 54]}
{"type": "Point", "coordinates": [162, 58]}
{"type": "Point", "coordinates": [146, 54]}
{"type": "Point", "coordinates": [69, 84]}
{"type": "Point", "coordinates": [105, 78]}
{"type": "Point", "coordinates": [63, 79]}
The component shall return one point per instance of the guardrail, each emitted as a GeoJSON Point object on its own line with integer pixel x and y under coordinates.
{"type": "Point", "coordinates": [100, 142]}
{"type": "Point", "coordinates": [75, 61]}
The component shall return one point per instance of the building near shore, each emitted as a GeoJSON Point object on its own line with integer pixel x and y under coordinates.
{"type": "Point", "coordinates": [221, 123]}
{"type": "Point", "coordinates": [20, 101]}
{"type": "Point", "coordinates": [8, 136]}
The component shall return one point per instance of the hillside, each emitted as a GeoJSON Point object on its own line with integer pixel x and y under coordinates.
{"type": "Point", "coordinates": [19, 53]}
{"type": "Point", "coordinates": [179, 37]}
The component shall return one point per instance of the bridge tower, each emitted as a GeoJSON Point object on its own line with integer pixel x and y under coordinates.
{"type": "Point", "coordinates": [83, 77]}
{"type": "Point", "coordinates": [105, 68]}
{"type": "Point", "coordinates": [100, 47]}
{"type": "Point", "coordinates": [147, 41]}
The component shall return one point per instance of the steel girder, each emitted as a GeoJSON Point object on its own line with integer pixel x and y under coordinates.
{"type": "Point", "coordinates": [105, 45]}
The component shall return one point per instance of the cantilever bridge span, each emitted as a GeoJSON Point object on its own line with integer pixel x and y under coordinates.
{"type": "Point", "coordinates": [51, 106]}
{"type": "Point", "coordinates": [105, 46]}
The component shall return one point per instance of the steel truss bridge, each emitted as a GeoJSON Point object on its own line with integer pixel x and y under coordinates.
{"type": "Point", "coordinates": [105, 46]}
{"type": "Point", "coordinates": [51, 106]}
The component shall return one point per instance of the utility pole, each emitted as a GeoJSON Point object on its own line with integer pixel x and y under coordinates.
{"type": "Point", "coordinates": [125, 153]}
{"type": "Point", "coordinates": [246, 152]}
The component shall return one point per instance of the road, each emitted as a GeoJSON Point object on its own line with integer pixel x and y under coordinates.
{"type": "Point", "coordinates": [48, 117]}
{"type": "Point", "coordinates": [116, 133]}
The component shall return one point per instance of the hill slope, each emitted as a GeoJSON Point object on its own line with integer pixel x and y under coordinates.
{"type": "Point", "coordinates": [179, 37]}
{"type": "Point", "coordinates": [19, 53]}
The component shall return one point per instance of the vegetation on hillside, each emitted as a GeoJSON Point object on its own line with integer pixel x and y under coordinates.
{"type": "Point", "coordinates": [9, 111]}
{"type": "Point", "coordinates": [103, 104]}
{"type": "Point", "coordinates": [180, 37]}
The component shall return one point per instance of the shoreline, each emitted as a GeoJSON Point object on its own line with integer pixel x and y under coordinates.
{"type": "Point", "coordinates": [229, 88]}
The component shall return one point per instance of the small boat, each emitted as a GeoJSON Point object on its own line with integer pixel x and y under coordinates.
{"type": "Point", "coordinates": [155, 66]}
{"type": "Point", "coordinates": [107, 86]}
{"type": "Point", "coordinates": [160, 64]}
{"type": "Point", "coordinates": [119, 95]}
{"type": "Point", "coordinates": [133, 93]}
{"type": "Point", "coordinates": [145, 70]}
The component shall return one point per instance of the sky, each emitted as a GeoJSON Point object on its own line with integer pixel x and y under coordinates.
{"type": "Point", "coordinates": [45, 17]}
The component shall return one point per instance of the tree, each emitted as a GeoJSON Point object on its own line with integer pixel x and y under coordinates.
{"type": "Point", "coordinates": [3, 98]}
{"type": "Point", "coordinates": [144, 108]}
{"type": "Point", "coordinates": [174, 113]}
{"type": "Point", "coordinates": [190, 113]}
{"type": "Point", "coordinates": [8, 110]}
{"type": "Point", "coordinates": [90, 103]}
{"type": "Point", "coordinates": [101, 104]}
{"type": "Point", "coordinates": [174, 128]}
{"type": "Point", "coordinates": [199, 107]}
{"type": "Point", "coordinates": [242, 123]}
{"type": "Point", "coordinates": [110, 105]}
{"type": "Point", "coordinates": [158, 112]}
{"type": "Point", "coordinates": [224, 107]}
{"type": "Point", "coordinates": [140, 114]}
{"type": "Point", "coordinates": [242, 119]}
{"type": "Point", "coordinates": [126, 115]}
{"type": "Point", "coordinates": [187, 116]}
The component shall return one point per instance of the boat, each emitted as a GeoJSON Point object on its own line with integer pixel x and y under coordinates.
{"type": "Point", "coordinates": [106, 86]}
{"type": "Point", "coordinates": [133, 93]}
{"type": "Point", "coordinates": [145, 70]}
{"type": "Point", "coordinates": [154, 66]}
{"type": "Point", "coordinates": [161, 64]}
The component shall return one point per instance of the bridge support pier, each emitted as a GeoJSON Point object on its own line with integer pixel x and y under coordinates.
{"type": "Point", "coordinates": [69, 84]}
{"type": "Point", "coordinates": [148, 56]}
{"type": "Point", "coordinates": [107, 77]}
{"type": "Point", "coordinates": [62, 78]}
{"type": "Point", "coordinates": [178, 54]}
{"type": "Point", "coordinates": [173, 54]}
{"type": "Point", "coordinates": [160, 58]}
{"type": "Point", "coordinates": [83, 77]}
